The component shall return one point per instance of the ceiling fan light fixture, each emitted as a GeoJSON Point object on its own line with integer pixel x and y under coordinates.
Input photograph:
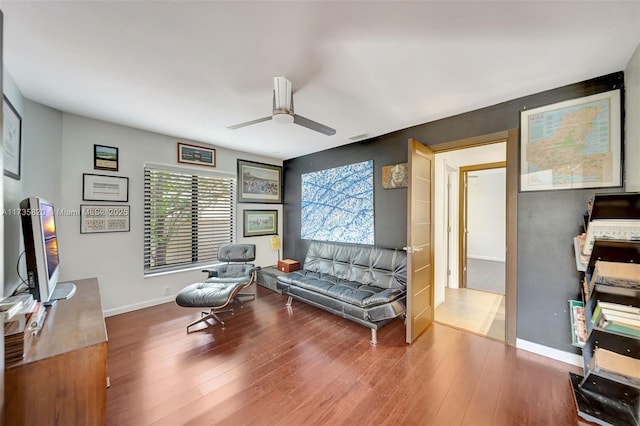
{"type": "Point", "coordinates": [283, 117]}
{"type": "Point", "coordinates": [283, 110]}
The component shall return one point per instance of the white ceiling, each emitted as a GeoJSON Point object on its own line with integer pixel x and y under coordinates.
{"type": "Point", "coordinates": [190, 69]}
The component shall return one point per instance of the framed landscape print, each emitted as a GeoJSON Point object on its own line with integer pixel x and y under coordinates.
{"type": "Point", "coordinates": [259, 183]}
{"type": "Point", "coordinates": [105, 158]}
{"type": "Point", "coordinates": [260, 222]}
{"type": "Point", "coordinates": [572, 144]}
{"type": "Point", "coordinates": [198, 155]}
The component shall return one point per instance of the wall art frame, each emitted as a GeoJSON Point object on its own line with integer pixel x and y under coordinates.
{"type": "Point", "coordinates": [98, 218]}
{"type": "Point", "coordinates": [12, 139]}
{"type": "Point", "coordinates": [197, 155]}
{"type": "Point", "coordinates": [104, 188]}
{"type": "Point", "coordinates": [105, 158]}
{"type": "Point", "coordinates": [574, 144]}
{"type": "Point", "coordinates": [260, 222]}
{"type": "Point", "coordinates": [395, 176]}
{"type": "Point", "coordinates": [337, 204]}
{"type": "Point", "coordinates": [259, 182]}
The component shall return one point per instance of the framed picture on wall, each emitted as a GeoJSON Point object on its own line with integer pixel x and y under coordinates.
{"type": "Point", "coordinates": [259, 183]}
{"type": "Point", "coordinates": [12, 139]}
{"type": "Point", "coordinates": [105, 158]}
{"type": "Point", "coordinates": [198, 155]}
{"type": "Point", "coordinates": [104, 218]}
{"type": "Point", "coordinates": [572, 144]}
{"type": "Point", "coordinates": [260, 222]}
{"type": "Point", "coordinates": [104, 188]}
{"type": "Point", "coordinates": [395, 176]}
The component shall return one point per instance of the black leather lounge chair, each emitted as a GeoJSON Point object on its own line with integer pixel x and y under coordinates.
{"type": "Point", "coordinates": [224, 283]}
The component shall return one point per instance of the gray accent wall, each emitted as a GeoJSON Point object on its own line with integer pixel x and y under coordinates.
{"type": "Point", "coordinates": [547, 221]}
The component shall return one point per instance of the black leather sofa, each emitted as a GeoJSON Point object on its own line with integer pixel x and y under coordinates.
{"type": "Point", "coordinates": [362, 283]}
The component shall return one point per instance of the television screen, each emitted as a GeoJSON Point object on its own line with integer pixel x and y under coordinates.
{"type": "Point", "coordinates": [50, 238]}
{"type": "Point", "coordinates": [41, 246]}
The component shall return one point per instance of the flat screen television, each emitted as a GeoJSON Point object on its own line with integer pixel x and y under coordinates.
{"type": "Point", "coordinates": [41, 249]}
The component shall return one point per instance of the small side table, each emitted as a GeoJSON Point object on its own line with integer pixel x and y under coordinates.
{"type": "Point", "coordinates": [267, 277]}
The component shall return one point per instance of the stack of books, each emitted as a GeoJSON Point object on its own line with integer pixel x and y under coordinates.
{"type": "Point", "coordinates": [25, 321]}
{"type": "Point", "coordinates": [618, 318]}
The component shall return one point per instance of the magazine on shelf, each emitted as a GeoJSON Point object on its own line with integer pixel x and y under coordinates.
{"type": "Point", "coordinates": [604, 360]}
{"type": "Point", "coordinates": [610, 229]}
{"type": "Point", "coordinates": [578, 323]}
{"type": "Point", "coordinates": [617, 274]}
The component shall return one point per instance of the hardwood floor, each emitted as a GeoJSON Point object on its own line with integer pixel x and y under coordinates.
{"type": "Point", "coordinates": [479, 312]}
{"type": "Point", "coordinates": [279, 366]}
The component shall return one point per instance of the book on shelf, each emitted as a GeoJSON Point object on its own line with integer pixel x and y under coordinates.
{"type": "Point", "coordinates": [604, 360]}
{"type": "Point", "coordinates": [618, 274]}
{"type": "Point", "coordinates": [578, 323]}
{"type": "Point", "coordinates": [620, 320]}
{"type": "Point", "coordinates": [619, 307]}
{"type": "Point", "coordinates": [585, 289]}
{"type": "Point", "coordinates": [583, 258]}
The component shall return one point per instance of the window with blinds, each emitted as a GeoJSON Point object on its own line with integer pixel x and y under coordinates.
{"type": "Point", "coordinates": [187, 216]}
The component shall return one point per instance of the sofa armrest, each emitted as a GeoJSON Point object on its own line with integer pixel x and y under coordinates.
{"type": "Point", "coordinates": [385, 296]}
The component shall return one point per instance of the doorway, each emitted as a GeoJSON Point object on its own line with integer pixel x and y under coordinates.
{"type": "Point", "coordinates": [470, 294]}
{"type": "Point", "coordinates": [483, 227]}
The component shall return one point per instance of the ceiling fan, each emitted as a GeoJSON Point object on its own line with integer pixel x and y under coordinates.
{"type": "Point", "coordinates": [283, 110]}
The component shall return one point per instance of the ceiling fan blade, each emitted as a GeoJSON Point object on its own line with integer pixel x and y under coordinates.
{"type": "Point", "coordinates": [313, 125]}
{"type": "Point", "coordinates": [249, 123]}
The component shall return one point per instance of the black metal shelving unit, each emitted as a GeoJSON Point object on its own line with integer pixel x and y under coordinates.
{"type": "Point", "coordinates": [603, 397]}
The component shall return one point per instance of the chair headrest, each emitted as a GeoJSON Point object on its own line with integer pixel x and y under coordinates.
{"type": "Point", "coordinates": [237, 252]}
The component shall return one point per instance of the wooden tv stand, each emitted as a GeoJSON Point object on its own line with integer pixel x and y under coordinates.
{"type": "Point", "coordinates": [63, 377]}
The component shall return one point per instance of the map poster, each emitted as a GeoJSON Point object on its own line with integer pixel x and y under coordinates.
{"type": "Point", "coordinates": [572, 144]}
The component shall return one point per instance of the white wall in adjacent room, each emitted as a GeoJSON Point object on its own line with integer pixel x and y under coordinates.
{"type": "Point", "coordinates": [487, 214]}
{"type": "Point", "coordinates": [454, 159]}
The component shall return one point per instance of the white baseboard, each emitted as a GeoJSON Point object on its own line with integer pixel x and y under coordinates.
{"type": "Point", "coordinates": [567, 357]}
{"type": "Point", "coordinates": [493, 259]}
{"type": "Point", "coordinates": [136, 306]}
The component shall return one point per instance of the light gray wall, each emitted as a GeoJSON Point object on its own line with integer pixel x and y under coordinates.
{"type": "Point", "coordinates": [57, 148]}
{"type": "Point", "coordinates": [117, 258]}
{"type": "Point", "coordinates": [40, 174]}
{"type": "Point", "coordinates": [12, 190]}
{"type": "Point", "coordinates": [632, 123]}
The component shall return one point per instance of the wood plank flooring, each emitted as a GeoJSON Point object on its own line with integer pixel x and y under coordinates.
{"type": "Point", "coordinates": [279, 366]}
{"type": "Point", "coordinates": [472, 310]}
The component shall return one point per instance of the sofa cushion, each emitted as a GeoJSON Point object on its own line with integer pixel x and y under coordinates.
{"type": "Point", "coordinates": [351, 292]}
{"type": "Point", "coordinates": [371, 266]}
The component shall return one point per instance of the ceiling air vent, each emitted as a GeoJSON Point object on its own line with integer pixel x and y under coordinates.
{"type": "Point", "coordinates": [360, 136]}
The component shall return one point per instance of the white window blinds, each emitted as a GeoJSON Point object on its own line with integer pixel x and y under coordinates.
{"type": "Point", "coordinates": [187, 216]}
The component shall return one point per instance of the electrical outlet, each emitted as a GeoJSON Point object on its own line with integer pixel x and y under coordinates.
{"type": "Point", "coordinates": [167, 290]}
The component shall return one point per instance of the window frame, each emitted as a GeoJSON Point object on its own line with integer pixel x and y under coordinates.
{"type": "Point", "coordinates": [198, 179]}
